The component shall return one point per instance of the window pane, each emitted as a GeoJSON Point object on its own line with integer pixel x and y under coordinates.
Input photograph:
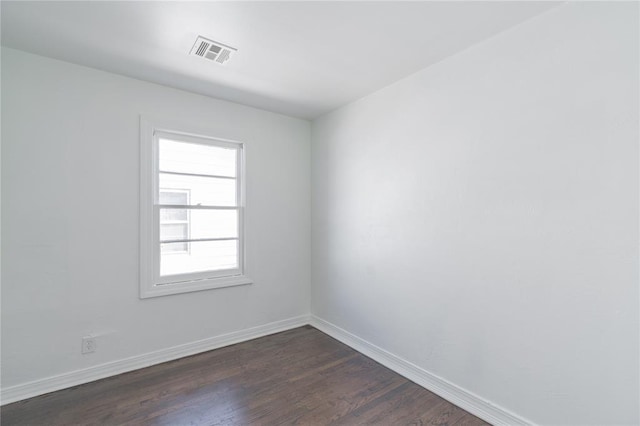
{"type": "Point", "coordinates": [202, 190]}
{"type": "Point", "coordinates": [167, 196]}
{"type": "Point", "coordinates": [207, 223]}
{"type": "Point", "coordinates": [173, 215]}
{"type": "Point", "coordinates": [177, 231]}
{"type": "Point", "coordinates": [175, 248]}
{"type": "Point", "coordinates": [202, 256]}
{"type": "Point", "coordinates": [185, 157]}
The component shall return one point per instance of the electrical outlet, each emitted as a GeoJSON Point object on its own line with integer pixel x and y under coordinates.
{"type": "Point", "coordinates": [88, 344]}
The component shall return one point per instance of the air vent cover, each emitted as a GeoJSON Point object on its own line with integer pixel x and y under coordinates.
{"type": "Point", "coordinates": [212, 50]}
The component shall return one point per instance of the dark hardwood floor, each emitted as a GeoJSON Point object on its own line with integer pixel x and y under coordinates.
{"type": "Point", "coordinates": [300, 376]}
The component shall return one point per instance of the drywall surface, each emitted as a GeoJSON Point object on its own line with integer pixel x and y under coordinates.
{"type": "Point", "coordinates": [70, 219]}
{"type": "Point", "coordinates": [479, 219]}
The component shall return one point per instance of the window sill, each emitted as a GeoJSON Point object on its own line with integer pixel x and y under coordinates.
{"type": "Point", "coordinates": [196, 285]}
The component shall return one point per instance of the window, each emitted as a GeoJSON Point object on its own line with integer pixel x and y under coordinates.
{"type": "Point", "coordinates": [191, 221]}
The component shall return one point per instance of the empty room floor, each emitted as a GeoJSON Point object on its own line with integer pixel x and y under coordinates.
{"type": "Point", "coordinates": [300, 376]}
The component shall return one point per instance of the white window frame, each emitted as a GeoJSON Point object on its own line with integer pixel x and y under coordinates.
{"type": "Point", "coordinates": [152, 284]}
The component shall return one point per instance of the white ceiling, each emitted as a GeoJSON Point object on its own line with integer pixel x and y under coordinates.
{"type": "Point", "coordinates": [298, 58]}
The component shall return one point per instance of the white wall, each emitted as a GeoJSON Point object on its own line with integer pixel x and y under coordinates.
{"type": "Point", "coordinates": [480, 218]}
{"type": "Point", "coordinates": [70, 219]}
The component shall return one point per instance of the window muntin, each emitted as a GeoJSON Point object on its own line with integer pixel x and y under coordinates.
{"type": "Point", "coordinates": [194, 239]}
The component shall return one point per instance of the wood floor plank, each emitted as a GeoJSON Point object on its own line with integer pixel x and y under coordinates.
{"type": "Point", "coordinates": [300, 376]}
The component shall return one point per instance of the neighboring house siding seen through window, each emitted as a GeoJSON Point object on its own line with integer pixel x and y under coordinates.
{"type": "Point", "coordinates": [174, 224]}
{"type": "Point", "coordinates": [192, 209]}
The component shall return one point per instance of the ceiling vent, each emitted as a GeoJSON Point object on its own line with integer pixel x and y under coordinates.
{"type": "Point", "coordinates": [212, 50]}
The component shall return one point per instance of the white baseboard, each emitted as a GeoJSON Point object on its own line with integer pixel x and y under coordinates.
{"type": "Point", "coordinates": [78, 377]}
{"type": "Point", "coordinates": [462, 398]}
